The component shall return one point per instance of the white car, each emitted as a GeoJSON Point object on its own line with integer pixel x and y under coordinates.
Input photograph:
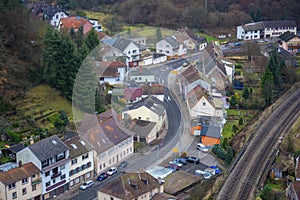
{"type": "Point", "coordinates": [112, 171]}
{"type": "Point", "coordinates": [86, 185]}
{"type": "Point", "coordinates": [176, 163]}
{"type": "Point", "coordinates": [206, 175]}
{"type": "Point", "coordinates": [211, 171]}
{"type": "Point", "coordinates": [202, 147]}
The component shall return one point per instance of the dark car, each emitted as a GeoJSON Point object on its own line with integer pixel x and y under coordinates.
{"type": "Point", "coordinates": [123, 165]}
{"type": "Point", "coordinates": [193, 159]}
{"type": "Point", "coordinates": [102, 176]}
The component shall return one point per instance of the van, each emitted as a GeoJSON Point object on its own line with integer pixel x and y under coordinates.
{"type": "Point", "coordinates": [202, 147]}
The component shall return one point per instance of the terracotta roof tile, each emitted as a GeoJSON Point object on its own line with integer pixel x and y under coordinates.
{"type": "Point", "coordinates": [73, 22]}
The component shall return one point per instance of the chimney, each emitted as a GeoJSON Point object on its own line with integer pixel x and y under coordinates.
{"type": "Point", "coordinates": [31, 140]}
{"type": "Point", "coordinates": [20, 163]}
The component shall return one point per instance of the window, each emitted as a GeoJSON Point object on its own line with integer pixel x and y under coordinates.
{"type": "Point", "coordinates": [54, 181]}
{"type": "Point", "coordinates": [88, 175]}
{"type": "Point", "coordinates": [48, 184]}
{"type": "Point", "coordinates": [85, 156]}
{"type": "Point", "coordinates": [24, 191]}
{"type": "Point", "coordinates": [12, 186]}
{"type": "Point", "coordinates": [24, 180]}
{"type": "Point", "coordinates": [203, 103]}
{"type": "Point", "coordinates": [77, 180]}
{"type": "Point", "coordinates": [33, 187]}
{"type": "Point", "coordinates": [60, 156]}
{"type": "Point", "coordinates": [71, 183]}
{"type": "Point", "coordinates": [62, 167]}
{"type": "Point", "coordinates": [33, 176]}
{"type": "Point", "coordinates": [47, 173]}
{"type": "Point", "coordinates": [14, 195]}
{"type": "Point", "coordinates": [74, 161]}
{"type": "Point", "coordinates": [62, 177]}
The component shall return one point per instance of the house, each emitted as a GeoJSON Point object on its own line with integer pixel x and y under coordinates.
{"type": "Point", "coordinates": [141, 75]}
{"type": "Point", "coordinates": [51, 157]}
{"type": "Point", "coordinates": [140, 185]}
{"type": "Point", "coordinates": [210, 135]}
{"type": "Point", "coordinates": [112, 72]}
{"type": "Point", "coordinates": [199, 103]}
{"type": "Point", "coordinates": [132, 94]}
{"type": "Point", "coordinates": [54, 14]}
{"type": "Point", "coordinates": [293, 191]}
{"type": "Point", "coordinates": [265, 29]}
{"type": "Point", "coordinates": [75, 22]}
{"type": "Point", "coordinates": [148, 109]}
{"type": "Point", "coordinates": [156, 90]}
{"type": "Point", "coordinates": [128, 48]}
{"type": "Point", "coordinates": [109, 53]}
{"type": "Point", "coordinates": [96, 25]}
{"type": "Point", "coordinates": [81, 163]}
{"type": "Point", "coordinates": [195, 42]}
{"type": "Point", "coordinates": [171, 47]}
{"type": "Point", "coordinates": [111, 142]}
{"type": "Point", "coordinates": [290, 42]}
{"type": "Point", "coordinates": [145, 131]}
{"type": "Point", "coordinates": [21, 182]}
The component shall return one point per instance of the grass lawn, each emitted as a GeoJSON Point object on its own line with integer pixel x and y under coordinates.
{"type": "Point", "coordinates": [209, 38]}
{"type": "Point", "coordinates": [227, 129]}
{"type": "Point", "coordinates": [44, 101]}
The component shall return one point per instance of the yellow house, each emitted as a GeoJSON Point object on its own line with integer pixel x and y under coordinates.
{"type": "Point", "coordinates": [148, 109]}
{"type": "Point", "coordinates": [140, 186]}
{"type": "Point", "coordinates": [22, 182]}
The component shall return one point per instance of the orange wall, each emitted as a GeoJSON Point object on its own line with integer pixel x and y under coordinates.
{"type": "Point", "coordinates": [195, 128]}
{"type": "Point", "coordinates": [209, 141]}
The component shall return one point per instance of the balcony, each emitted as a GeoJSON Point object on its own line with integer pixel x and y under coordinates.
{"type": "Point", "coordinates": [36, 181]}
{"type": "Point", "coordinates": [56, 175]}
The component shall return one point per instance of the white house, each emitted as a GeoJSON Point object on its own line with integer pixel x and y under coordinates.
{"type": "Point", "coordinates": [171, 47]}
{"type": "Point", "coordinates": [51, 157]}
{"type": "Point", "coordinates": [53, 14]}
{"type": "Point", "coordinates": [141, 75]}
{"type": "Point", "coordinates": [128, 48]}
{"type": "Point", "coordinates": [265, 29]}
{"type": "Point", "coordinates": [110, 72]}
{"type": "Point", "coordinates": [81, 163]}
{"type": "Point", "coordinates": [96, 24]}
{"type": "Point", "coordinates": [110, 141]}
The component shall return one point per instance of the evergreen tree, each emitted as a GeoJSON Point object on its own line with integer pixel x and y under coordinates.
{"type": "Point", "coordinates": [158, 33]}
{"type": "Point", "coordinates": [85, 87]}
{"type": "Point", "coordinates": [246, 93]}
{"type": "Point", "coordinates": [92, 40]}
{"type": "Point", "coordinates": [275, 66]}
{"type": "Point", "coordinates": [229, 154]}
{"type": "Point", "coordinates": [267, 86]}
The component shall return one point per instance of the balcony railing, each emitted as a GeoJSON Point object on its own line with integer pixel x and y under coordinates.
{"type": "Point", "coordinates": [36, 181]}
{"type": "Point", "coordinates": [56, 175]}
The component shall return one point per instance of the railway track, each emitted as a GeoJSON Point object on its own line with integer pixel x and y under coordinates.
{"type": "Point", "coordinates": [242, 182]}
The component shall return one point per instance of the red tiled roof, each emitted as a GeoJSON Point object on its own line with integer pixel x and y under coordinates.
{"type": "Point", "coordinates": [73, 22]}
{"type": "Point", "coordinates": [132, 93]}
{"type": "Point", "coordinates": [101, 35]}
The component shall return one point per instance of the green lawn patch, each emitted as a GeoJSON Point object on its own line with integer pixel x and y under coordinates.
{"type": "Point", "coordinates": [227, 129]}
{"type": "Point", "coordinates": [208, 37]}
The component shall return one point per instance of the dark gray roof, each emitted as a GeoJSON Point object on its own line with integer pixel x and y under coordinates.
{"type": "Point", "coordinates": [121, 43]}
{"type": "Point", "coordinates": [141, 128]}
{"type": "Point", "coordinates": [16, 148]}
{"type": "Point", "coordinates": [49, 11]}
{"type": "Point", "coordinates": [139, 72]}
{"type": "Point", "coordinates": [48, 148]}
{"type": "Point", "coordinates": [211, 131]}
{"type": "Point", "coordinates": [253, 26]}
{"type": "Point", "coordinates": [172, 41]}
{"type": "Point", "coordinates": [151, 103]}
{"type": "Point", "coordinates": [157, 55]}
{"type": "Point", "coordinates": [287, 36]}
{"type": "Point", "coordinates": [279, 23]}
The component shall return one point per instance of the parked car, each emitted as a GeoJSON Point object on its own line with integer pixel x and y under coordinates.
{"type": "Point", "coordinates": [205, 174]}
{"type": "Point", "coordinates": [202, 147]}
{"type": "Point", "coordinates": [102, 176]}
{"type": "Point", "coordinates": [86, 185]}
{"type": "Point", "coordinates": [172, 167]}
{"type": "Point", "coordinates": [123, 165]}
{"type": "Point", "coordinates": [211, 171]}
{"type": "Point", "coordinates": [181, 160]}
{"type": "Point", "coordinates": [217, 170]}
{"type": "Point", "coordinates": [176, 163]}
{"type": "Point", "coordinates": [193, 159]}
{"type": "Point", "coordinates": [112, 171]}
